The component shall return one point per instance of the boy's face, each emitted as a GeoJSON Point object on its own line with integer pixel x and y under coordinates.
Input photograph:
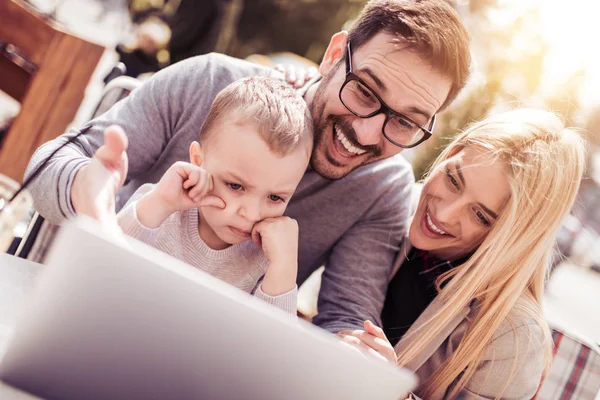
{"type": "Point", "coordinates": [254, 182]}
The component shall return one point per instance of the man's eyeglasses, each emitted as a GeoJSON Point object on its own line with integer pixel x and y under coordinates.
{"type": "Point", "coordinates": [363, 102]}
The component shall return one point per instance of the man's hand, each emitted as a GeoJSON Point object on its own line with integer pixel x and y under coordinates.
{"type": "Point", "coordinates": [95, 185]}
{"type": "Point", "coordinates": [184, 186]}
{"type": "Point", "coordinates": [295, 76]}
{"type": "Point", "coordinates": [278, 238]}
{"type": "Point", "coordinates": [371, 341]}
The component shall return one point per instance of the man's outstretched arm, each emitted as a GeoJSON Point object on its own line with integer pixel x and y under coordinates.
{"type": "Point", "coordinates": [150, 117]}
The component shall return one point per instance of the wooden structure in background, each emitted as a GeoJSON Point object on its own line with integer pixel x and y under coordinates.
{"type": "Point", "coordinates": [47, 71]}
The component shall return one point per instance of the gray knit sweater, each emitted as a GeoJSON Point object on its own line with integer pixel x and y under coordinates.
{"type": "Point", "coordinates": [242, 265]}
{"type": "Point", "coordinates": [353, 225]}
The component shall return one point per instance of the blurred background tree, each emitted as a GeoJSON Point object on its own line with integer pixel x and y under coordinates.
{"type": "Point", "coordinates": [241, 28]}
{"type": "Point", "coordinates": [303, 27]}
{"type": "Point", "coordinates": [509, 52]}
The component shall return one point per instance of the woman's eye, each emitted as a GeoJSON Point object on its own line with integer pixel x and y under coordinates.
{"type": "Point", "coordinates": [235, 186]}
{"type": "Point", "coordinates": [452, 179]}
{"type": "Point", "coordinates": [482, 218]}
{"type": "Point", "coordinates": [275, 198]}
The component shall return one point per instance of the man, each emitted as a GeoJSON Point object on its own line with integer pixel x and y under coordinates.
{"type": "Point", "coordinates": [383, 82]}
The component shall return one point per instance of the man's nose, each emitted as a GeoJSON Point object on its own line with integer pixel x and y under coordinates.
{"type": "Point", "coordinates": [369, 130]}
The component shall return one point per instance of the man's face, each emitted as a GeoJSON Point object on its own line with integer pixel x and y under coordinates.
{"type": "Point", "coordinates": [403, 80]}
{"type": "Point", "coordinates": [254, 182]}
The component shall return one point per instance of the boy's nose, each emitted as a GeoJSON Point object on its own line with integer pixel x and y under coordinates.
{"type": "Point", "coordinates": [251, 211]}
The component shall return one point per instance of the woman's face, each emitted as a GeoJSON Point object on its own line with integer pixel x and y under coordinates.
{"type": "Point", "coordinates": [461, 200]}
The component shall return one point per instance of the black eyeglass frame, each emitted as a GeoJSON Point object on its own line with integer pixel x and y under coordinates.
{"type": "Point", "coordinates": [385, 109]}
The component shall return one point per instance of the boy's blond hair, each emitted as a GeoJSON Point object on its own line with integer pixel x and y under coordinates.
{"type": "Point", "coordinates": [282, 115]}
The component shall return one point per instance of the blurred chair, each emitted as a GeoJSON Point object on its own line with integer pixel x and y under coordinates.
{"type": "Point", "coordinates": [40, 233]}
{"type": "Point", "coordinates": [47, 71]}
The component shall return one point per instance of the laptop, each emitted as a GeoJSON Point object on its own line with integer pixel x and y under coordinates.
{"type": "Point", "coordinates": [122, 320]}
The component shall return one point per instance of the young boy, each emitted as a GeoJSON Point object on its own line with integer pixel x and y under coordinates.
{"type": "Point", "coordinates": [223, 211]}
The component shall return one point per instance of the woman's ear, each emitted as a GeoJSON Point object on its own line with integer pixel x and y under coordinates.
{"type": "Point", "coordinates": [335, 51]}
{"type": "Point", "coordinates": [196, 154]}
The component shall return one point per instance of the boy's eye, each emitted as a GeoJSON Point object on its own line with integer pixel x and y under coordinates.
{"type": "Point", "coordinates": [234, 186]}
{"type": "Point", "coordinates": [275, 198]}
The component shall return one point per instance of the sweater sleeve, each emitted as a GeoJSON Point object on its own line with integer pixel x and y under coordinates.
{"type": "Point", "coordinates": [286, 301]}
{"type": "Point", "coordinates": [130, 223]}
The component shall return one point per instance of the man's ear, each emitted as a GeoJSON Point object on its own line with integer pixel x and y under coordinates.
{"type": "Point", "coordinates": [335, 51]}
{"type": "Point", "coordinates": [196, 154]}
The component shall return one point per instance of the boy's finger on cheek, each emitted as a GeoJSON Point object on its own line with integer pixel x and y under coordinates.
{"type": "Point", "coordinates": [210, 201]}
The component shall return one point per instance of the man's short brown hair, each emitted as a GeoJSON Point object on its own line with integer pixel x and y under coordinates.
{"type": "Point", "coordinates": [281, 114]}
{"type": "Point", "coordinates": [431, 28]}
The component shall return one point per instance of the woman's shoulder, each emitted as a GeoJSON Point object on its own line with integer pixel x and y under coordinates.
{"type": "Point", "coordinates": [520, 335]}
{"type": "Point", "coordinates": [514, 360]}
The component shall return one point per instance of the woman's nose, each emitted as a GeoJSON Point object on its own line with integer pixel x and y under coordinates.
{"type": "Point", "coordinates": [448, 212]}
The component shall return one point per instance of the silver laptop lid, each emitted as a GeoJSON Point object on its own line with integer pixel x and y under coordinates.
{"type": "Point", "coordinates": [124, 321]}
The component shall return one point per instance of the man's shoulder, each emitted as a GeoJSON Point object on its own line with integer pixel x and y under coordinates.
{"type": "Point", "coordinates": [209, 66]}
{"type": "Point", "coordinates": [388, 175]}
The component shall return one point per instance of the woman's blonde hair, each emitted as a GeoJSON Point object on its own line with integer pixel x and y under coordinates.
{"type": "Point", "coordinates": [545, 164]}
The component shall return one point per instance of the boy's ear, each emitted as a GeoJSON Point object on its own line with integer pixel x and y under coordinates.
{"type": "Point", "coordinates": [196, 154]}
{"type": "Point", "coordinates": [335, 51]}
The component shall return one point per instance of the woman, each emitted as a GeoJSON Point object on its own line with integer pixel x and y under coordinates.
{"type": "Point", "coordinates": [469, 282]}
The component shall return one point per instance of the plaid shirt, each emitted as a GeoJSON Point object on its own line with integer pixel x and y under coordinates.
{"type": "Point", "coordinates": [575, 371]}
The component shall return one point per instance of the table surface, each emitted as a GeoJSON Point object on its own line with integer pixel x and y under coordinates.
{"type": "Point", "coordinates": [17, 279]}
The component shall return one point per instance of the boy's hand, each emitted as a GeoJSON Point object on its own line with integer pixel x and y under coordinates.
{"type": "Point", "coordinates": [278, 238]}
{"type": "Point", "coordinates": [184, 186]}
